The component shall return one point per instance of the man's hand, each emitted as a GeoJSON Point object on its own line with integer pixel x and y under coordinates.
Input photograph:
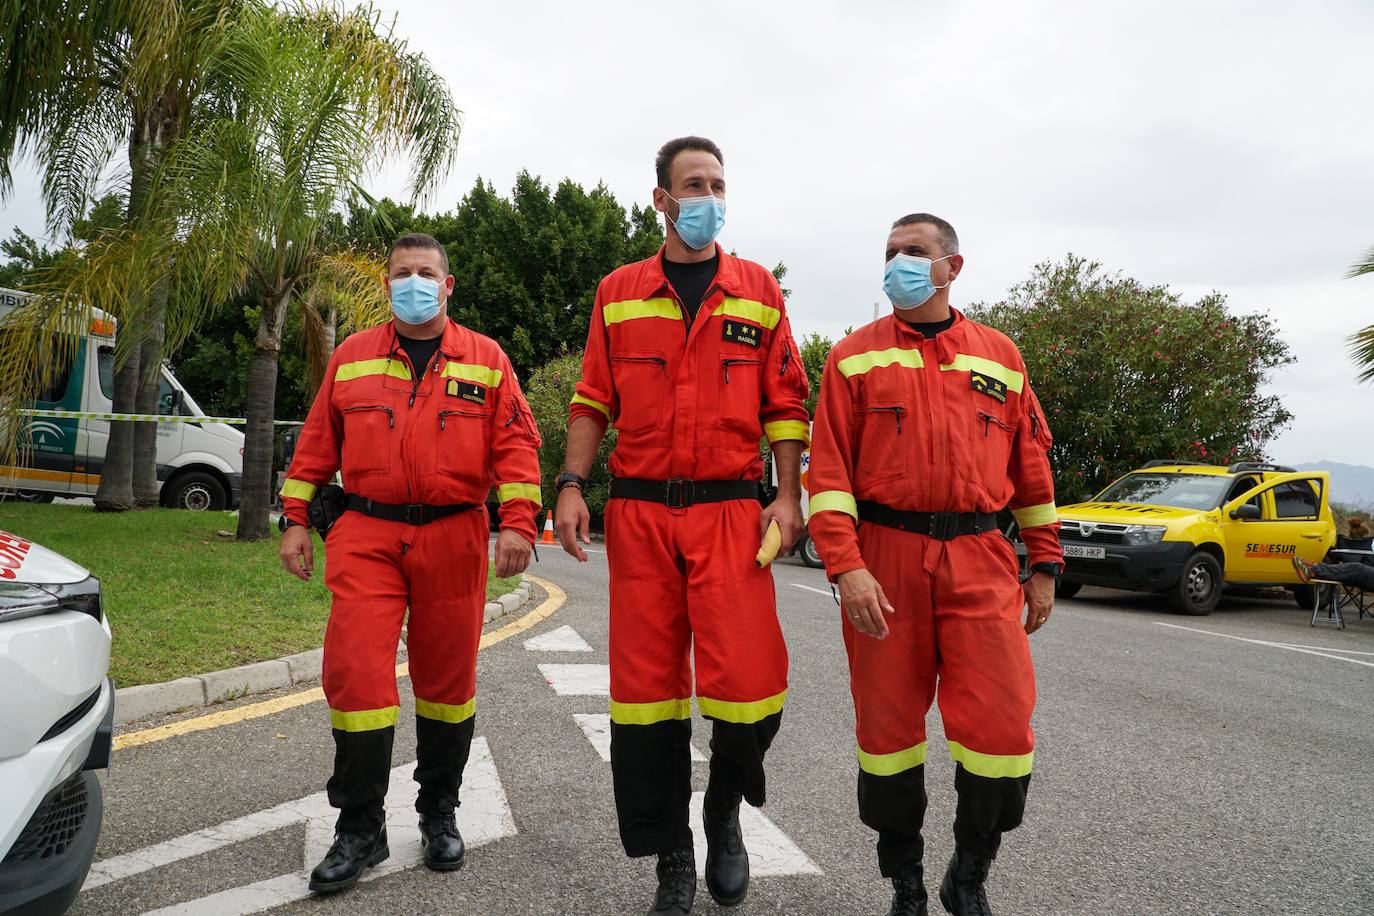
{"type": "Point", "coordinates": [512, 553]}
{"type": "Point", "coordinates": [788, 513]}
{"type": "Point", "coordinates": [297, 552]}
{"type": "Point", "coordinates": [572, 522]}
{"type": "Point", "coordinates": [864, 602]}
{"type": "Point", "coordinates": [1039, 589]}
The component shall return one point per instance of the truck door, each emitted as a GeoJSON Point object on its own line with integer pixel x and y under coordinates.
{"type": "Point", "coordinates": [1290, 524]}
{"type": "Point", "coordinates": [169, 435]}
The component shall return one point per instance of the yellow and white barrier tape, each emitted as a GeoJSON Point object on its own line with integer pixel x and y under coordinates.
{"type": "Point", "coordinates": [145, 417]}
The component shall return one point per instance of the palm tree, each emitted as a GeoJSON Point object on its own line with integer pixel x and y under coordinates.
{"type": "Point", "coordinates": [80, 79]}
{"type": "Point", "coordinates": [318, 98]}
{"type": "Point", "coordinates": [1362, 341]}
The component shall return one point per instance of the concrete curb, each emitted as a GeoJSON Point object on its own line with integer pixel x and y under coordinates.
{"type": "Point", "coordinates": [133, 703]}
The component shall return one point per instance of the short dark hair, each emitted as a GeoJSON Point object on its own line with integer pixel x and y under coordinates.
{"type": "Point", "coordinates": [949, 239]}
{"type": "Point", "coordinates": [419, 240]}
{"type": "Point", "coordinates": [668, 152]}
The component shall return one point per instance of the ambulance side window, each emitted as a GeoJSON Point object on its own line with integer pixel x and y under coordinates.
{"type": "Point", "coordinates": [53, 384]}
{"type": "Point", "coordinates": [106, 364]}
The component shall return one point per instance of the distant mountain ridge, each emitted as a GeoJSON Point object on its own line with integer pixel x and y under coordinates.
{"type": "Point", "coordinates": [1351, 484]}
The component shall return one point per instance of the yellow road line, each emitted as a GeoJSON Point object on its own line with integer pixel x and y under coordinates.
{"type": "Point", "coordinates": [316, 694]}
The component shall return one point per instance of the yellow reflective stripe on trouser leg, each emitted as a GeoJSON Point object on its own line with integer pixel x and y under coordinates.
{"type": "Point", "coordinates": [445, 712]}
{"type": "Point", "coordinates": [507, 491]}
{"type": "Point", "coordinates": [741, 713]}
{"type": "Point", "coordinates": [1035, 516]}
{"type": "Point", "coordinates": [363, 720]}
{"type": "Point", "coordinates": [298, 489]}
{"type": "Point", "coordinates": [834, 501]}
{"type": "Point", "coordinates": [894, 763]}
{"type": "Point", "coordinates": [992, 766]}
{"type": "Point", "coordinates": [650, 713]}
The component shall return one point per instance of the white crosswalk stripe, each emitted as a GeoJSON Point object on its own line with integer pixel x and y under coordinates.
{"type": "Point", "coordinates": [563, 639]}
{"type": "Point", "coordinates": [578, 680]}
{"type": "Point", "coordinates": [597, 728]}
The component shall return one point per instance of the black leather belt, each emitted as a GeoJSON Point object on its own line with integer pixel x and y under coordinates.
{"type": "Point", "coordinates": [410, 513]}
{"type": "Point", "coordinates": [943, 526]}
{"type": "Point", "coordinates": [679, 493]}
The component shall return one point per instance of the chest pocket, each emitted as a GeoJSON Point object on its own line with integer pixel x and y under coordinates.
{"type": "Point", "coordinates": [888, 431]}
{"type": "Point", "coordinates": [739, 397]}
{"type": "Point", "coordinates": [643, 385]}
{"type": "Point", "coordinates": [465, 411]}
{"type": "Point", "coordinates": [369, 428]}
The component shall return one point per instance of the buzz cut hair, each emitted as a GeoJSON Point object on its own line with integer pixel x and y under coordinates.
{"type": "Point", "coordinates": [419, 240]}
{"type": "Point", "coordinates": [949, 239]}
{"type": "Point", "coordinates": [663, 164]}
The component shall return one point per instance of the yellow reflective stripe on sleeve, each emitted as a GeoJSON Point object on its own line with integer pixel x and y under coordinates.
{"type": "Point", "coordinates": [649, 713]}
{"type": "Point", "coordinates": [628, 309]}
{"type": "Point", "coordinates": [891, 764]}
{"type": "Point", "coordinates": [445, 712]}
{"type": "Point", "coordinates": [507, 491]}
{"type": "Point", "coordinates": [1035, 516]}
{"type": "Point", "coordinates": [364, 720]}
{"type": "Point", "coordinates": [991, 766]}
{"type": "Point", "coordinates": [834, 501]}
{"type": "Point", "coordinates": [298, 489]}
{"type": "Point", "coordinates": [595, 405]}
{"type": "Point", "coordinates": [365, 367]}
{"type": "Point", "coordinates": [468, 372]}
{"type": "Point", "coordinates": [741, 713]}
{"type": "Point", "coordinates": [787, 430]}
{"type": "Point", "coordinates": [860, 363]}
{"type": "Point", "coordinates": [749, 310]}
{"type": "Point", "coordinates": [1014, 380]}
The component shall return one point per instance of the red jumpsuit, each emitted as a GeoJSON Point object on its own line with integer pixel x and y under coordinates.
{"type": "Point", "coordinates": [442, 438]}
{"type": "Point", "coordinates": [691, 402]}
{"type": "Point", "coordinates": [947, 424]}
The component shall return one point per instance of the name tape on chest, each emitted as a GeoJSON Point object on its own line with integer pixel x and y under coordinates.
{"type": "Point", "coordinates": [468, 391]}
{"type": "Point", "coordinates": [742, 332]}
{"type": "Point", "coordinates": [986, 384]}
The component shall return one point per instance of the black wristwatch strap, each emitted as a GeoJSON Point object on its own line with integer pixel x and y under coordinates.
{"type": "Point", "coordinates": [284, 522]}
{"type": "Point", "coordinates": [569, 479]}
{"type": "Point", "coordinates": [1048, 568]}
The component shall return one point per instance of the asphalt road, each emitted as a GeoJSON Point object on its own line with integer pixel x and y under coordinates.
{"type": "Point", "coordinates": [1177, 771]}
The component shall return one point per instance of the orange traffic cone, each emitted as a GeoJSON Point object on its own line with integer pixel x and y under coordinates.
{"type": "Point", "coordinates": [547, 537]}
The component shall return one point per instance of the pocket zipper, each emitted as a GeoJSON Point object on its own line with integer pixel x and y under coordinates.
{"type": "Point", "coordinates": [662, 363]}
{"type": "Point", "coordinates": [786, 358]}
{"type": "Point", "coordinates": [988, 419]}
{"type": "Point", "coordinates": [896, 415]}
{"type": "Point", "coordinates": [1035, 422]}
{"type": "Point", "coordinates": [445, 414]}
{"type": "Point", "coordinates": [727, 363]}
{"type": "Point", "coordinates": [390, 414]}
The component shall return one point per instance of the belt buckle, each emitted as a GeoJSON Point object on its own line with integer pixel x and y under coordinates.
{"type": "Point", "coordinates": [415, 514]}
{"type": "Point", "coordinates": [944, 526]}
{"type": "Point", "coordinates": [678, 493]}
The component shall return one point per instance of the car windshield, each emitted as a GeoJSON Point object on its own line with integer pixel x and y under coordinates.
{"type": "Point", "coordinates": [1182, 491]}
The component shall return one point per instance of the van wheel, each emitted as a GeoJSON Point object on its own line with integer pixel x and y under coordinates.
{"type": "Point", "coordinates": [809, 554]}
{"type": "Point", "coordinates": [195, 490]}
{"type": "Point", "coordinates": [33, 496]}
{"type": "Point", "coordinates": [1066, 589]}
{"type": "Point", "coordinates": [1199, 588]}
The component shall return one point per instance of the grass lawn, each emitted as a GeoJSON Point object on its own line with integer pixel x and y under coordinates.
{"type": "Point", "coordinates": [181, 599]}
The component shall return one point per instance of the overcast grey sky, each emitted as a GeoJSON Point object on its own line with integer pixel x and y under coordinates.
{"type": "Point", "coordinates": [1206, 145]}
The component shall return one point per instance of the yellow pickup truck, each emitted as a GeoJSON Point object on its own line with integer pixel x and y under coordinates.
{"type": "Point", "coordinates": [1188, 530]}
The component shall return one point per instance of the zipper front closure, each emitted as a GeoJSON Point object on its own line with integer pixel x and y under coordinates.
{"type": "Point", "coordinates": [727, 363]}
{"type": "Point", "coordinates": [895, 410]}
{"type": "Point", "coordinates": [390, 414]}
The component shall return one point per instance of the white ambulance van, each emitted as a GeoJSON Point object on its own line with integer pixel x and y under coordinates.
{"type": "Point", "coordinates": [199, 464]}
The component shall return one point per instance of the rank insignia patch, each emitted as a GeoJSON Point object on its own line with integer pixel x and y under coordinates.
{"type": "Point", "coordinates": [986, 384]}
{"type": "Point", "coordinates": [468, 391]}
{"type": "Point", "coordinates": [742, 332]}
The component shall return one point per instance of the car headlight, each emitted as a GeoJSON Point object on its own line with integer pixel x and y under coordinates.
{"type": "Point", "coordinates": [20, 600]}
{"type": "Point", "coordinates": [1142, 535]}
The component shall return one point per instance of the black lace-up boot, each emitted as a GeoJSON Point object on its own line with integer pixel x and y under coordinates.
{"type": "Point", "coordinates": [343, 865]}
{"type": "Point", "coordinates": [962, 890]}
{"type": "Point", "coordinates": [677, 883]}
{"type": "Point", "coordinates": [908, 893]}
{"type": "Point", "coordinates": [727, 862]}
{"type": "Point", "coordinates": [441, 841]}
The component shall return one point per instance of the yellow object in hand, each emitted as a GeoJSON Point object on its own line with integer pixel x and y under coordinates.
{"type": "Point", "coordinates": [772, 543]}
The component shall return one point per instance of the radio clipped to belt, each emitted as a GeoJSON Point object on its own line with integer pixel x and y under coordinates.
{"type": "Point", "coordinates": [326, 508]}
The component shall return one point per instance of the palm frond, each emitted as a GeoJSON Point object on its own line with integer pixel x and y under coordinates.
{"type": "Point", "coordinates": [1364, 266]}
{"type": "Point", "coordinates": [1362, 351]}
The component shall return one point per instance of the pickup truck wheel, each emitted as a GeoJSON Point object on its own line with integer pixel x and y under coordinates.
{"type": "Point", "coordinates": [809, 554]}
{"type": "Point", "coordinates": [1066, 589]}
{"type": "Point", "coordinates": [1199, 587]}
{"type": "Point", "coordinates": [197, 491]}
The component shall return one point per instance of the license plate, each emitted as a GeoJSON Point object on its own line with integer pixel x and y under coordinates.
{"type": "Point", "coordinates": [1086, 553]}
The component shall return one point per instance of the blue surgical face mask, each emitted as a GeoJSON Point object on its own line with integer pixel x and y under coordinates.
{"type": "Point", "coordinates": [414, 299]}
{"type": "Point", "coordinates": [906, 280]}
{"type": "Point", "coordinates": [699, 220]}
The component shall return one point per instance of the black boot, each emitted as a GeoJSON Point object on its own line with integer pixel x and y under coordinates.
{"type": "Point", "coordinates": [727, 862]}
{"type": "Point", "coordinates": [962, 890]}
{"type": "Point", "coordinates": [343, 865]}
{"type": "Point", "coordinates": [677, 883]}
{"type": "Point", "coordinates": [441, 842]}
{"type": "Point", "coordinates": [908, 893]}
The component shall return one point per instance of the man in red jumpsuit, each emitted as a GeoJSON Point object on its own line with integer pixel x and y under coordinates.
{"type": "Point", "coordinates": [925, 429]}
{"type": "Point", "coordinates": [422, 416]}
{"type": "Point", "coordinates": [691, 357]}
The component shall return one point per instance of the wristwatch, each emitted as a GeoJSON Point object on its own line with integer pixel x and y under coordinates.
{"type": "Point", "coordinates": [283, 523]}
{"type": "Point", "coordinates": [569, 479]}
{"type": "Point", "coordinates": [1049, 568]}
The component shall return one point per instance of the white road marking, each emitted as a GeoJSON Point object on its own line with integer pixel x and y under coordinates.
{"type": "Point", "coordinates": [597, 728]}
{"type": "Point", "coordinates": [563, 639]}
{"type": "Point", "coordinates": [578, 680]}
{"type": "Point", "coordinates": [770, 851]}
{"type": "Point", "coordinates": [1273, 645]}
{"type": "Point", "coordinates": [1297, 645]}
{"type": "Point", "coordinates": [819, 591]}
{"type": "Point", "coordinates": [484, 817]}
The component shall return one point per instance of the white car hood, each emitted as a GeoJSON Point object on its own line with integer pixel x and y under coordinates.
{"type": "Point", "coordinates": [21, 560]}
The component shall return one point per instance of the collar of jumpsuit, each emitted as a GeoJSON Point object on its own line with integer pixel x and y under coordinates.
{"type": "Point", "coordinates": [451, 346]}
{"type": "Point", "coordinates": [947, 342]}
